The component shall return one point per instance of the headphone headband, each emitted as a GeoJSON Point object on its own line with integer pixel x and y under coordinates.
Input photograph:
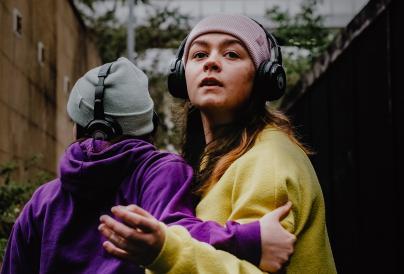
{"type": "Point", "coordinates": [102, 127]}
{"type": "Point", "coordinates": [99, 92]}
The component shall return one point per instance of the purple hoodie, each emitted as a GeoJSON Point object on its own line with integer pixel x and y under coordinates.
{"type": "Point", "coordinates": [57, 229]}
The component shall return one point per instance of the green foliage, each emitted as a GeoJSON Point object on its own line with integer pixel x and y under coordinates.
{"type": "Point", "coordinates": [110, 35]}
{"type": "Point", "coordinates": [13, 194]}
{"type": "Point", "coordinates": [6, 171]}
{"type": "Point", "coordinates": [3, 245]}
{"type": "Point", "coordinates": [304, 30]}
{"type": "Point", "coordinates": [164, 28]}
{"type": "Point", "coordinates": [295, 67]}
{"type": "Point", "coordinates": [167, 136]}
{"type": "Point", "coordinates": [90, 3]}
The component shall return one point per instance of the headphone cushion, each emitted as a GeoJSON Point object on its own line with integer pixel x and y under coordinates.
{"type": "Point", "coordinates": [271, 79]}
{"type": "Point", "coordinates": [177, 85]}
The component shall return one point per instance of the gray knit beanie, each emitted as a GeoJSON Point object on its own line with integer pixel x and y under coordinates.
{"type": "Point", "coordinates": [243, 28]}
{"type": "Point", "coordinates": [126, 98]}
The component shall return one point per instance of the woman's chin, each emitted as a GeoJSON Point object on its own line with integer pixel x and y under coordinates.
{"type": "Point", "coordinates": [209, 104]}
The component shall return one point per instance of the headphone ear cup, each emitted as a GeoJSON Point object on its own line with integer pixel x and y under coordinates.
{"type": "Point", "coordinates": [103, 129]}
{"type": "Point", "coordinates": [177, 85]}
{"type": "Point", "coordinates": [271, 79]}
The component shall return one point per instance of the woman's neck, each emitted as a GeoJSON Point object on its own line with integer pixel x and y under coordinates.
{"type": "Point", "coordinates": [209, 122]}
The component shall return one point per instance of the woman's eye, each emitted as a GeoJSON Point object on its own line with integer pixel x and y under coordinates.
{"type": "Point", "coordinates": [232, 54]}
{"type": "Point", "coordinates": [199, 55]}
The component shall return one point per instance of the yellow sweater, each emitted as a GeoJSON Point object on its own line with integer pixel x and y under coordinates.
{"type": "Point", "coordinates": [272, 172]}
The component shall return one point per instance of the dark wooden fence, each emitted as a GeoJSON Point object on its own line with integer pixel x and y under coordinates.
{"type": "Point", "coordinates": [350, 109]}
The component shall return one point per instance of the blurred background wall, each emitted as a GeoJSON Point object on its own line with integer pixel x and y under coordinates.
{"type": "Point", "coordinates": [44, 48]}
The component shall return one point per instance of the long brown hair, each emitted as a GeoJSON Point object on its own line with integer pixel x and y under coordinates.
{"type": "Point", "coordinates": [231, 141]}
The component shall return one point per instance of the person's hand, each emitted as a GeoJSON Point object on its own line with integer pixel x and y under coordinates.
{"type": "Point", "coordinates": [277, 243]}
{"type": "Point", "coordinates": [139, 238]}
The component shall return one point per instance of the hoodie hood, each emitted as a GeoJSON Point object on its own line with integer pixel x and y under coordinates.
{"type": "Point", "coordinates": [93, 169]}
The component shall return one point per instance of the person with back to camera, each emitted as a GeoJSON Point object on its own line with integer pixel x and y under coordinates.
{"type": "Point", "coordinates": [113, 162]}
{"type": "Point", "coordinates": [246, 158]}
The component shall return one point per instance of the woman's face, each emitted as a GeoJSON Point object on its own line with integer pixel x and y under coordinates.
{"type": "Point", "coordinates": [219, 73]}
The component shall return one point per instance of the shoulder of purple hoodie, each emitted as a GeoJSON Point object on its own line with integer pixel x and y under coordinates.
{"type": "Point", "coordinates": [42, 198]}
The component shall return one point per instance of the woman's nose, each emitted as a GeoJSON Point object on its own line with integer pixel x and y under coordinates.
{"type": "Point", "coordinates": [212, 64]}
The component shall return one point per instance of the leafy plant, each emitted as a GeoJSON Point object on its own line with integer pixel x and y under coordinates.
{"type": "Point", "coordinates": [109, 33]}
{"type": "Point", "coordinates": [305, 32]}
{"type": "Point", "coordinates": [167, 137]}
{"type": "Point", "coordinates": [164, 28]}
{"type": "Point", "coordinates": [14, 194]}
{"type": "Point", "coordinates": [90, 3]}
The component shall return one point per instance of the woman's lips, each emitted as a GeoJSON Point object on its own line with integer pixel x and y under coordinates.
{"type": "Point", "coordinates": [210, 81]}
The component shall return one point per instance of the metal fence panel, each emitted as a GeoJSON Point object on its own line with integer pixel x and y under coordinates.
{"type": "Point", "coordinates": [352, 117]}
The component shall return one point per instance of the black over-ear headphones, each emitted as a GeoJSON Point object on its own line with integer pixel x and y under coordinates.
{"type": "Point", "coordinates": [269, 78]}
{"type": "Point", "coordinates": [102, 127]}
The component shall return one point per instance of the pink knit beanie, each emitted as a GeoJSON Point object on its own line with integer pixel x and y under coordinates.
{"type": "Point", "coordinates": [239, 26]}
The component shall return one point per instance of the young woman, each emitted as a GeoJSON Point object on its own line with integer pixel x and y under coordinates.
{"type": "Point", "coordinates": [247, 159]}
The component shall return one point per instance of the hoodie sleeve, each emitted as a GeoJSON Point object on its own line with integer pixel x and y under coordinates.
{"type": "Point", "coordinates": [21, 255]}
{"type": "Point", "coordinates": [166, 194]}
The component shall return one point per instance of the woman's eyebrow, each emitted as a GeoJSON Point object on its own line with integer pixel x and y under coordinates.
{"type": "Point", "coordinates": [201, 43]}
{"type": "Point", "coordinates": [224, 43]}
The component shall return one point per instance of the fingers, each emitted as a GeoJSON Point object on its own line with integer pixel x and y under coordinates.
{"type": "Point", "coordinates": [271, 267]}
{"type": "Point", "coordinates": [115, 251]}
{"type": "Point", "coordinates": [137, 235]}
{"type": "Point", "coordinates": [146, 224]}
{"type": "Point", "coordinates": [137, 209]}
{"type": "Point", "coordinates": [137, 246]}
{"type": "Point", "coordinates": [116, 227]}
{"type": "Point", "coordinates": [290, 240]}
{"type": "Point", "coordinates": [116, 239]}
{"type": "Point", "coordinates": [119, 234]}
{"type": "Point", "coordinates": [281, 212]}
{"type": "Point", "coordinates": [273, 264]}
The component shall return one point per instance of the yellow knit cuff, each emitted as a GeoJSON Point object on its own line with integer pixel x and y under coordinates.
{"type": "Point", "coordinates": [167, 256]}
